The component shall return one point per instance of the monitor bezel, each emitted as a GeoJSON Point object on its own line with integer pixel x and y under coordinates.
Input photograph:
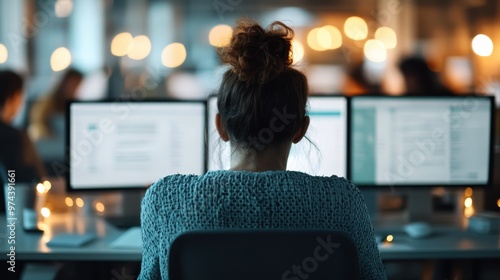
{"type": "Point", "coordinates": [489, 182]}
{"type": "Point", "coordinates": [133, 188]}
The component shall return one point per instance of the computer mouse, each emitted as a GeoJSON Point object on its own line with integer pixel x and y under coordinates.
{"type": "Point", "coordinates": [418, 229]}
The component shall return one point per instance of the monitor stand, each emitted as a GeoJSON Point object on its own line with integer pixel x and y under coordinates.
{"type": "Point", "coordinates": [130, 214]}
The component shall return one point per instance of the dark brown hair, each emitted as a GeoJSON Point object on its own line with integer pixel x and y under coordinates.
{"type": "Point", "coordinates": [10, 83]}
{"type": "Point", "coordinates": [261, 87]}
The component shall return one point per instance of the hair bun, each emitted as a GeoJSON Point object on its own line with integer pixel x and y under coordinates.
{"type": "Point", "coordinates": [256, 54]}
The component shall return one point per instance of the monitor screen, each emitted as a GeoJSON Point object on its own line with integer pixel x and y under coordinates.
{"type": "Point", "coordinates": [415, 141]}
{"type": "Point", "coordinates": [133, 144]}
{"type": "Point", "coordinates": [325, 155]}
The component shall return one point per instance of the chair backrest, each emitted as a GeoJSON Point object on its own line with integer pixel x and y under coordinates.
{"type": "Point", "coordinates": [263, 254]}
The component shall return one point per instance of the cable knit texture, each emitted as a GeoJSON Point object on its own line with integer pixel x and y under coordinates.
{"type": "Point", "coordinates": [240, 199]}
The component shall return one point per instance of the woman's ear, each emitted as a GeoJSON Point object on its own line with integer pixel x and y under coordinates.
{"type": "Point", "coordinates": [220, 128]}
{"type": "Point", "coordinates": [301, 132]}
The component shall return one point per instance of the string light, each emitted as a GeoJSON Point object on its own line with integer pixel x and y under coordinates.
{"type": "Point", "coordinates": [468, 203]}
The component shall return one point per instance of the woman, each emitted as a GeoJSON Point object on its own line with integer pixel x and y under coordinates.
{"type": "Point", "coordinates": [262, 112]}
{"type": "Point", "coordinates": [47, 119]}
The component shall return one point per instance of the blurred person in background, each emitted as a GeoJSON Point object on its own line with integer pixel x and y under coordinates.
{"type": "Point", "coordinates": [420, 79]}
{"type": "Point", "coordinates": [17, 152]}
{"type": "Point", "coordinates": [47, 119]}
{"type": "Point", "coordinates": [357, 82]}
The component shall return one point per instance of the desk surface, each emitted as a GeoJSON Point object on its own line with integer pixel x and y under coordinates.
{"type": "Point", "coordinates": [33, 246]}
{"type": "Point", "coordinates": [445, 243]}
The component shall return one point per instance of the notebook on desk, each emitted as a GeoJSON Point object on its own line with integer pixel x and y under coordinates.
{"type": "Point", "coordinates": [130, 239]}
{"type": "Point", "coordinates": [70, 240]}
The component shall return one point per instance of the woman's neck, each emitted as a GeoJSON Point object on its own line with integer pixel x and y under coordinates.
{"type": "Point", "coordinates": [273, 158]}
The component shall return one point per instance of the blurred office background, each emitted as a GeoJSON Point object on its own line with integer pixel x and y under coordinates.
{"type": "Point", "coordinates": [166, 48]}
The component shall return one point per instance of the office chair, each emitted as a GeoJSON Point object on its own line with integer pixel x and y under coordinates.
{"type": "Point", "coordinates": [263, 254]}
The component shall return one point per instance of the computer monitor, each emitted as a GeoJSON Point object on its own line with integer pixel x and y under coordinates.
{"type": "Point", "coordinates": [119, 145]}
{"type": "Point", "coordinates": [421, 141]}
{"type": "Point", "coordinates": [327, 131]}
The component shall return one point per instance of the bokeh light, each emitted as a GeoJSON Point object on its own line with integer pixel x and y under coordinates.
{"type": "Point", "coordinates": [220, 35]}
{"type": "Point", "coordinates": [140, 48]}
{"type": "Point", "coordinates": [47, 185]}
{"type": "Point", "coordinates": [375, 51]}
{"type": "Point", "coordinates": [121, 44]}
{"type": "Point", "coordinates": [387, 36]}
{"type": "Point", "coordinates": [468, 202]}
{"type": "Point", "coordinates": [356, 28]}
{"type": "Point", "coordinates": [40, 188]}
{"type": "Point", "coordinates": [69, 201]}
{"type": "Point", "coordinates": [60, 59]}
{"type": "Point", "coordinates": [298, 51]}
{"type": "Point", "coordinates": [63, 8]}
{"type": "Point", "coordinates": [468, 212]}
{"type": "Point", "coordinates": [99, 206]}
{"type": "Point", "coordinates": [79, 202]}
{"type": "Point", "coordinates": [329, 37]}
{"type": "Point", "coordinates": [45, 212]}
{"type": "Point", "coordinates": [482, 45]}
{"type": "Point", "coordinates": [4, 54]}
{"type": "Point", "coordinates": [468, 192]}
{"type": "Point", "coordinates": [173, 55]}
{"type": "Point", "coordinates": [498, 203]}
{"type": "Point", "coordinates": [389, 238]}
{"type": "Point", "coordinates": [312, 40]}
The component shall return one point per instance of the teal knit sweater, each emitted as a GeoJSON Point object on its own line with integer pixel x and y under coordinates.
{"type": "Point", "coordinates": [240, 199]}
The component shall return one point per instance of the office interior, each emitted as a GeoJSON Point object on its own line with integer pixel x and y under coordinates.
{"type": "Point", "coordinates": [123, 54]}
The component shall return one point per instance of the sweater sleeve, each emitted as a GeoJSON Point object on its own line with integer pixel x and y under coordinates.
{"type": "Point", "coordinates": [151, 239]}
{"type": "Point", "coordinates": [370, 262]}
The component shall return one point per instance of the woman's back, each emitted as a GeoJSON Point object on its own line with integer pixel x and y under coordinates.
{"type": "Point", "coordinates": [262, 112]}
{"type": "Point", "coordinates": [240, 199]}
